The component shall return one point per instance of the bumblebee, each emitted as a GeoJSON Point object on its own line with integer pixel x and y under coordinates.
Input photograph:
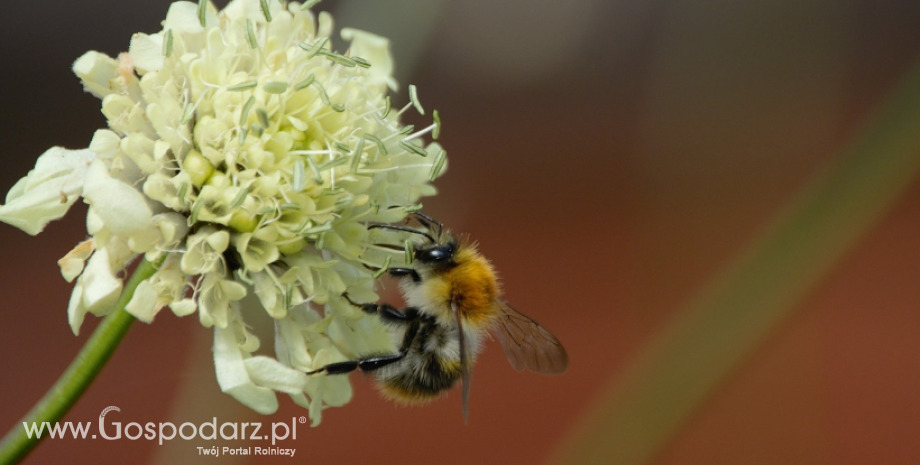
{"type": "Point", "coordinates": [453, 300]}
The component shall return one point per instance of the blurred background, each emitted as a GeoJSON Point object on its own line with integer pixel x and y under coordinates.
{"type": "Point", "coordinates": [611, 157]}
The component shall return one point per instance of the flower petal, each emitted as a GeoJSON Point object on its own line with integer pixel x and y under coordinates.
{"type": "Point", "coordinates": [75, 308]}
{"type": "Point", "coordinates": [183, 307]}
{"type": "Point", "coordinates": [269, 294]}
{"type": "Point", "coordinates": [48, 191]}
{"type": "Point", "coordinates": [326, 391]}
{"type": "Point", "coordinates": [146, 52]}
{"type": "Point", "coordinates": [182, 17]}
{"type": "Point", "coordinates": [72, 263]}
{"type": "Point", "coordinates": [121, 207]}
{"type": "Point", "coordinates": [215, 299]}
{"type": "Point", "coordinates": [143, 304]}
{"type": "Point", "coordinates": [233, 377]}
{"type": "Point", "coordinates": [96, 70]}
{"type": "Point", "coordinates": [105, 144]}
{"type": "Point", "coordinates": [376, 50]}
{"type": "Point", "coordinates": [269, 373]}
{"type": "Point", "coordinates": [96, 291]}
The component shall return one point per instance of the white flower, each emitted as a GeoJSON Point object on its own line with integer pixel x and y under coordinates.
{"type": "Point", "coordinates": [251, 155]}
{"type": "Point", "coordinates": [47, 191]}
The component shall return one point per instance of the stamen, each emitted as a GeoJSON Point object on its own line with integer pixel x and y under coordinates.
{"type": "Point", "coordinates": [202, 11]}
{"type": "Point", "coordinates": [196, 208]}
{"type": "Point", "coordinates": [314, 48]}
{"type": "Point", "coordinates": [187, 113]}
{"type": "Point", "coordinates": [322, 93]}
{"type": "Point", "coordinates": [394, 168]}
{"type": "Point", "coordinates": [316, 174]}
{"type": "Point", "coordinates": [263, 117]}
{"type": "Point", "coordinates": [333, 163]}
{"type": "Point", "coordinates": [308, 4]}
{"type": "Point", "coordinates": [386, 110]}
{"type": "Point", "coordinates": [311, 152]}
{"type": "Point", "coordinates": [244, 115]}
{"type": "Point", "coordinates": [438, 164]}
{"type": "Point", "coordinates": [413, 148]}
{"type": "Point", "coordinates": [242, 86]}
{"type": "Point", "coordinates": [297, 180]}
{"type": "Point", "coordinates": [420, 133]}
{"type": "Point", "coordinates": [168, 43]}
{"type": "Point", "coordinates": [437, 125]}
{"type": "Point", "coordinates": [241, 275]}
{"type": "Point", "coordinates": [275, 87]}
{"type": "Point", "coordinates": [410, 252]}
{"type": "Point", "coordinates": [356, 156]}
{"type": "Point", "coordinates": [403, 109]}
{"type": "Point", "coordinates": [380, 145]}
{"type": "Point", "coordinates": [413, 97]}
{"type": "Point", "coordinates": [412, 208]}
{"type": "Point", "coordinates": [183, 189]}
{"type": "Point", "coordinates": [288, 296]}
{"type": "Point", "coordinates": [318, 229]}
{"type": "Point", "coordinates": [251, 34]}
{"type": "Point", "coordinates": [263, 4]}
{"type": "Point", "coordinates": [407, 129]}
{"type": "Point", "coordinates": [383, 269]}
{"type": "Point", "coordinates": [239, 199]}
{"type": "Point", "coordinates": [320, 240]}
{"type": "Point", "coordinates": [344, 201]}
{"type": "Point", "coordinates": [338, 59]}
{"type": "Point", "coordinates": [336, 191]}
{"type": "Point", "coordinates": [361, 62]}
{"type": "Point", "coordinates": [304, 84]}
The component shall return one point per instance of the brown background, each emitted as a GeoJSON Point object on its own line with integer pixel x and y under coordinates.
{"type": "Point", "coordinates": [610, 157]}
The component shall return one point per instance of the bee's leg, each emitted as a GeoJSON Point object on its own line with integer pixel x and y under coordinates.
{"type": "Point", "coordinates": [377, 361]}
{"type": "Point", "coordinates": [400, 272]}
{"type": "Point", "coordinates": [366, 364]}
{"type": "Point", "coordinates": [386, 312]}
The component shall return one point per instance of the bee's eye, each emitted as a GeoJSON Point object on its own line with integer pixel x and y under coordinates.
{"type": "Point", "coordinates": [438, 254]}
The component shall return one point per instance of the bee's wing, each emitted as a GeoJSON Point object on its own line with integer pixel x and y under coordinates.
{"type": "Point", "coordinates": [465, 371]}
{"type": "Point", "coordinates": [529, 345]}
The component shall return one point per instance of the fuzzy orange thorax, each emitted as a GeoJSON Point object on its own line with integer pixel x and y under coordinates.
{"type": "Point", "coordinates": [474, 286]}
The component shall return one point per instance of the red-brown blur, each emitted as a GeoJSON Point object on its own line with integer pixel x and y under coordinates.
{"type": "Point", "coordinates": [609, 157]}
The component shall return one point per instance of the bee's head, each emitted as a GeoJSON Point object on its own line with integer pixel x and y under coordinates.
{"type": "Point", "coordinates": [437, 255]}
{"type": "Point", "coordinates": [434, 247]}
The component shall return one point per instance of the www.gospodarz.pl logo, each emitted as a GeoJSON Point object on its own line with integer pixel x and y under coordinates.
{"type": "Point", "coordinates": [168, 431]}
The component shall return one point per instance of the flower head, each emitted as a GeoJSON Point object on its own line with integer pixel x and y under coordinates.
{"type": "Point", "coordinates": [247, 156]}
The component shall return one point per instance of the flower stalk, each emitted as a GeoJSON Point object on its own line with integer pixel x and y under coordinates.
{"type": "Point", "coordinates": [81, 372]}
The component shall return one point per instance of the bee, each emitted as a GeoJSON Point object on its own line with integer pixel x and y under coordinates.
{"type": "Point", "coordinates": [453, 300]}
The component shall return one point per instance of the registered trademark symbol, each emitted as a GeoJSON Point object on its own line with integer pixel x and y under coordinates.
{"type": "Point", "coordinates": [303, 419]}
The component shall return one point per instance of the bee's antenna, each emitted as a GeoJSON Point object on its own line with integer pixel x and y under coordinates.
{"type": "Point", "coordinates": [427, 221]}
{"type": "Point", "coordinates": [401, 228]}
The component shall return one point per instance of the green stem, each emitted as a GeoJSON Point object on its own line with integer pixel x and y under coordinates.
{"type": "Point", "coordinates": [669, 380]}
{"type": "Point", "coordinates": [81, 372]}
